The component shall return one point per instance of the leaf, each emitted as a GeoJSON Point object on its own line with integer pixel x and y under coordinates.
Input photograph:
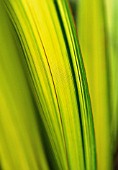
{"type": "Point", "coordinates": [57, 80]}
{"type": "Point", "coordinates": [92, 31]}
{"type": "Point", "coordinates": [113, 58]}
{"type": "Point", "coordinates": [20, 143]}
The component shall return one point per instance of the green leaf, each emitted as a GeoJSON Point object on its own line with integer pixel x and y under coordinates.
{"type": "Point", "coordinates": [93, 36]}
{"type": "Point", "coordinates": [112, 14]}
{"type": "Point", "coordinates": [20, 143]}
{"type": "Point", "coordinates": [57, 80]}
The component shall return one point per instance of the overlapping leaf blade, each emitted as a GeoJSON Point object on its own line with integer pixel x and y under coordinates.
{"type": "Point", "coordinates": [94, 42]}
{"type": "Point", "coordinates": [57, 80]}
{"type": "Point", "coordinates": [20, 143]}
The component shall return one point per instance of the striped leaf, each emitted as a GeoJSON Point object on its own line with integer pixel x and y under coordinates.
{"type": "Point", "coordinates": [57, 80]}
{"type": "Point", "coordinates": [94, 43]}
